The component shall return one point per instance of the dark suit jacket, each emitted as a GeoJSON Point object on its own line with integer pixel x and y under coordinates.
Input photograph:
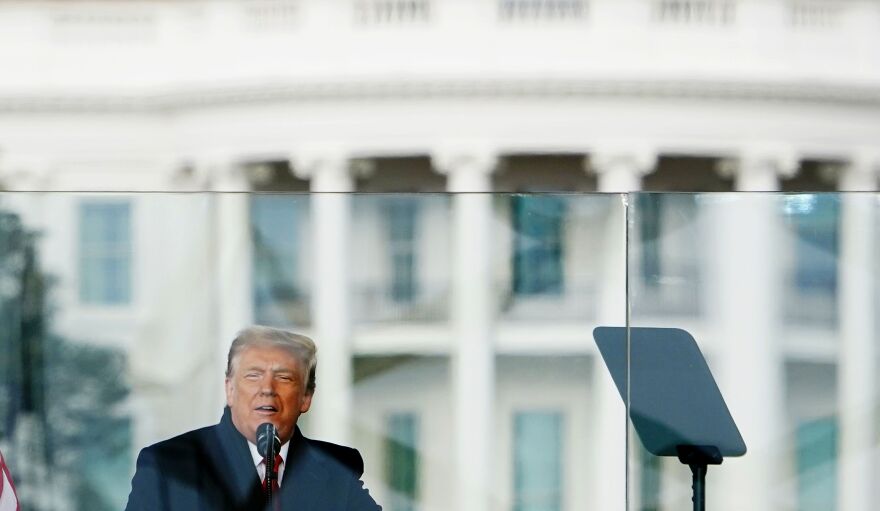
{"type": "Point", "coordinates": [211, 469]}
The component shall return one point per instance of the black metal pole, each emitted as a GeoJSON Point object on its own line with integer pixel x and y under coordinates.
{"type": "Point", "coordinates": [267, 481]}
{"type": "Point", "coordinates": [268, 445]}
{"type": "Point", "coordinates": [699, 457]}
{"type": "Point", "coordinates": [699, 486]}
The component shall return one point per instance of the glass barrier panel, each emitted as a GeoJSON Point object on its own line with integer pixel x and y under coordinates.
{"type": "Point", "coordinates": [453, 334]}
{"type": "Point", "coordinates": [780, 292]}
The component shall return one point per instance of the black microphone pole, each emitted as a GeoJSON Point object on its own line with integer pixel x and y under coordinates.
{"type": "Point", "coordinates": [270, 473]}
{"type": "Point", "coordinates": [268, 445]}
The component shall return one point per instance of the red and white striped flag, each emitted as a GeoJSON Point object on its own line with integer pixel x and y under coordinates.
{"type": "Point", "coordinates": [8, 498]}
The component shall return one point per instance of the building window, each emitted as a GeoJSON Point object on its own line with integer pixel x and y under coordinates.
{"type": "Point", "coordinates": [814, 220]}
{"type": "Point", "coordinates": [538, 246]}
{"type": "Point", "coordinates": [105, 252]}
{"type": "Point", "coordinates": [666, 255]}
{"type": "Point", "coordinates": [276, 297]}
{"type": "Point", "coordinates": [816, 460]}
{"type": "Point", "coordinates": [401, 215]}
{"type": "Point", "coordinates": [537, 454]}
{"type": "Point", "coordinates": [402, 461]}
{"type": "Point", "coordinates": [649, 219]}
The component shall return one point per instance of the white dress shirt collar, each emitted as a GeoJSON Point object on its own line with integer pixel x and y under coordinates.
{"type": "Point", "coordinates": [258, 460]}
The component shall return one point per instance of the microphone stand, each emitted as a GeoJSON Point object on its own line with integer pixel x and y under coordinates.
{"type": "Point", "coordinates": [273, 502]}
{"type": "Point", "coordinates": [268, 486]}
{"type": "Point", "coordinates": [270, 479]}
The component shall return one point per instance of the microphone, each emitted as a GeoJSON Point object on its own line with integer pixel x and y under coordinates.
{"type": "Point", "coordinates": [268, 445]}
{"type": "Point", "coordinates": [265, 432]}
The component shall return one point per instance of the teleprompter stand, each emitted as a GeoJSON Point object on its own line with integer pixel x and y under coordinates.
{"type": "Point", "coordinates": [673, 401]}
{"type": "Point", "coordinates": [698, 458]}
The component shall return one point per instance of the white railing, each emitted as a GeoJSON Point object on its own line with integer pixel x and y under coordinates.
{"type": "Point", "coordinates": [695, 12]}
{"type": "Point", "coordinates": [391, 12]}
{"type": "Point", "coordinates": [270, 15]}
{"type": "Point", "coordinates": [680, 296]}
{"type": "Point", "coordinates": [137, 22]}
{"type": "Point", "coordinates": [285, 308]}
{"type": "Point", "coordinates": [98, 23]}
{"type": "Point", "coordinates": [374, 303]}
{"type": "Point", "coordinates": [814, 13]}
{"type": "Point", "coordinates": [541, 10]}
{"type": "Point", "coordinates": [577, 301]}
{"type": "Point", "coordinates": [816, 308]}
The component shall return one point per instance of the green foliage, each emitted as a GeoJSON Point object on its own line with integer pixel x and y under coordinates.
{"type": "Point", "coordinates": [89, 431]}
{"type": "Point", "coordinates": [75, 390]}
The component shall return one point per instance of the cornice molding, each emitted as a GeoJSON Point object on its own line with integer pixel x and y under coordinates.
{"type": "Point", "coordinates": [209, 96]}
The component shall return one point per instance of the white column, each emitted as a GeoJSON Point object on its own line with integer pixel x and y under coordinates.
{"type": "Point", "coordinates": [24, 174]}
{"type": "Point", "coordinates": [331, 184]}
{"type": "Point", "coordinates": [857, 358]}
{"type": "Point", "coordinates": [169, 343]}
{"type": "Point", "coordinates": [619, 172]}
{"type": "Point", "coordinates": [861, 174]}
{"type": "Point", "coordinates": [196, 176]}
{"type": "Point", "coordinates": [744, 294]}
{"type": "Point", "coordinates": [473, 359]}
{"type": "Point", "coordinates": [232, 239]}
{"type": "Point", "coordinates": [759, 170]}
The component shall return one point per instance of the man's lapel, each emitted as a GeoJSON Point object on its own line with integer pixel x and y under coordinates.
{"type": "Point", "coordinates": [304, 477]}
{"type": "Point", "coordinates": [236, 465]}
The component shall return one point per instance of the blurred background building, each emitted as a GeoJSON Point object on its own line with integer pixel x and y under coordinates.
{"type": "Point", "coordinates": [454, 329]}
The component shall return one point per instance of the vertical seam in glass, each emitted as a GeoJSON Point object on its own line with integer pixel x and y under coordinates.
{"type": "Point", "coordinates": [626, 212]}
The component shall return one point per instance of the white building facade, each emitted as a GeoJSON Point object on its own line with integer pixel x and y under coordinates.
{"type": "Point", "coordinates": [453, 316]}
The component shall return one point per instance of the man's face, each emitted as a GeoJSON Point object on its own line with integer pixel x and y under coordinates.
{"type": "Point", "coordinates": [267, 385]}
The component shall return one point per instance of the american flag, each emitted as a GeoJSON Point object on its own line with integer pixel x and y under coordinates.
{"type": "Point", "coordinates": [8, 499]}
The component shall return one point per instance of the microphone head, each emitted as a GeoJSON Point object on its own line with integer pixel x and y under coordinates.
{"type": "Point", "coordinates": [267, 432]}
